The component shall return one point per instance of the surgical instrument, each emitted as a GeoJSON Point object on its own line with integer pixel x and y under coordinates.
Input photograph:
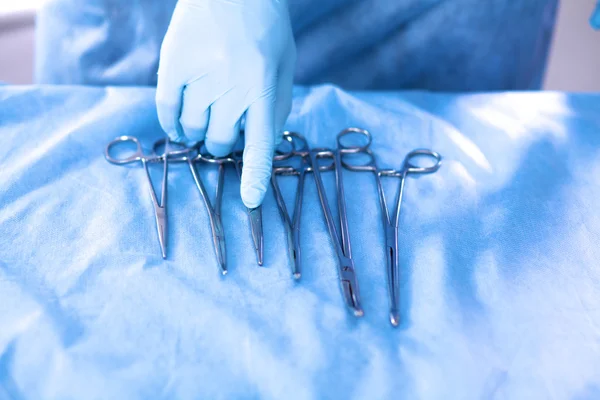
{"type": "Point", "coordinates": [341, 242]}
{"type": "Point", "coordinates": [299, 150]}
{"type": "Point", "coordinates": [254, 214]}
{"type": "Point", "coordinates": [192, 157]}
{"type": "Point", "coordinates": [214, 212]}
{"type": "Point", "coordinates": [160, 214]}
{"type": "Point", "coordinates": [291, 224]}
{"type": "Point", "coordinates": [390, 222]}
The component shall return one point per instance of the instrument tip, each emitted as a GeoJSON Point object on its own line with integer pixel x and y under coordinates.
{"type": "Point", "coordinates": [297, 275]}
{"type": "Point", "coordinates": [260, 254]}
{"type": "Point", "coordinates": [257, 232]}
{"type": "Point", "coordinates": [359, 312]}
{"type": "Point", "coordinates": [395, 318]}
{"type": "Point", "coordinates": [224, 272]}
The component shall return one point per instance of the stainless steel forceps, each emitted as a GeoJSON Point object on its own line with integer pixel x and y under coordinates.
{"type": "Point", "coordinates": [160, 214]}
{"type": "Point", "coordinates": [299, 149]}
{"type": "Point", "coordinates": [254, 214]}
{"type": "Point", "coordinates": [343, 249]}
{"type": "Point", "coordinates": [390, 223]}
{"type": "Point", "coordinates": [193, 156]}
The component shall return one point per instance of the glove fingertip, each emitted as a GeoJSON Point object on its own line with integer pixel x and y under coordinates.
{"type": "Point", "coordinates": [175, 137]}
{"type": "Point", "coordinates": [256, 175]}
{"type": "Point", "coordinates": [218, 149]}
{"type": "Point", "coordinates": [253, 196]}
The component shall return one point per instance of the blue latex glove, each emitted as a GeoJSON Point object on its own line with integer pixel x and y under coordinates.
{"type": "Point", "coordinates": [221, 59]}
{"type": "Point", "coordinates": [595, 18]}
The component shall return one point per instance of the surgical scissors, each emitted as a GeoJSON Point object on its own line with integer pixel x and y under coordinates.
{"type": "Point", "coordinates": [343, 249]}
{"type": "Point", "coordinates": [214, 210]}
{"type": "Point", "coordinates": [390, 224]}
{"type": "Point", "coordinates": [160, 214]}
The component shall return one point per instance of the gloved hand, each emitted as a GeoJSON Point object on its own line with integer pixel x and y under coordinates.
{"type": "Point", "coordinates": [595, 18]}
{"type": "Point", "coordinates": [221, 59]}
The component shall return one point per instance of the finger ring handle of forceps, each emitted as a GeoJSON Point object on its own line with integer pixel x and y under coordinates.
{"type": "Point", "coordinates": [349, 149]}
{"type": "Point", "coordinates": [294, 145]}
{"type": "Point", "coordinates": [137, 155]}
{"type": "Point", "coordinates": [412, 168]}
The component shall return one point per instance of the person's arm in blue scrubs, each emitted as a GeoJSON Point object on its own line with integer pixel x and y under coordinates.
{"type": "Point", "coordinates": [595, 18]}
{"type": "Point", "coordinates": [221, 60]}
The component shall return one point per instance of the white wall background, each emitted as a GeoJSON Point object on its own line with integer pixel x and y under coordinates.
{"type": "Point", "coordinates": [574, 63]}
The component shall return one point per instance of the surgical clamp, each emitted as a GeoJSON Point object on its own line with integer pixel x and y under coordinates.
{"type": "Point", "coordinates": [291, 224]}
{"type": "Point", "coordinates": [343, 249]}
{"type": "Point", "coordinates": [390, 225]}
{"type": "Point", "coordinates": [160, 214]}
{"type": "Point", "coordinates": [214, 210]}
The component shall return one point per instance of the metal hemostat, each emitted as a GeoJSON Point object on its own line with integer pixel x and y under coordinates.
{"type": "Point", "coordinates": [307, 161]}
{"type": "Point", "coordinates": [341, 241]}
{"type": "Point", "coordinates": [160, 212]}
{"type": "Point", "coordinates": [390, 222]}
{"type": "Point", "coordinates": [178, 153]}
{"type": "Point", "coordinates": [214, 211]}
{"type": "Point", "coordinates": [341, 157]}
{"type": "Point", "coordinates": [291, 224]}
{"type": "Point", "coordinates": [299, 151]}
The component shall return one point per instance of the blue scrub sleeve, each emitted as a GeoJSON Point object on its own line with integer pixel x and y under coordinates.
{"type": "Point", "coordinates": [444, 45]}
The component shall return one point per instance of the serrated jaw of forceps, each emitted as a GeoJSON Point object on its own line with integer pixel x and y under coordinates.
{"type": "Point", "coordinates": [350, 290]}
